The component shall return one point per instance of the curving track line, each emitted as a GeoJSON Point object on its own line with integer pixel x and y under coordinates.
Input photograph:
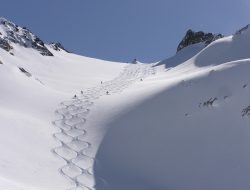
{"type": "Point", "coordinates": [73, 115]}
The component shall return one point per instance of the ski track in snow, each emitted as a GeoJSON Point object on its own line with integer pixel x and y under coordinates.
{"type": "Point", "coordinates": [73, 115]}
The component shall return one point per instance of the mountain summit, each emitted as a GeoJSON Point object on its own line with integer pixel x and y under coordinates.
{"type": "Point", "coordinates": [11, 33]}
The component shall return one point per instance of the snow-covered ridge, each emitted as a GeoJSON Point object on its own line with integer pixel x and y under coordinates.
{"type": "Point", "coordinates": [203, 49]}
{"type": "Point", "coordinates": [191, 44]}
{"type": "Point", "coordinates": [10, 33]}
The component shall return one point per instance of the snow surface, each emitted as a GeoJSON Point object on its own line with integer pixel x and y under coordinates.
{"type": "Point", "coordinates": [27, 105]}
{"type": "Point", "coordinates": [182, 123]}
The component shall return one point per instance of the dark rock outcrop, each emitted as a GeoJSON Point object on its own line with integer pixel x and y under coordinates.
{"type": "Point", "coordinates": [4, 44]}
{"type": "Point", "coordinates": [25, 72]}
{"type": "Point", "coordinates": [246, 112]}
{"type": "Point", "coordinates": [242, 30]}
{"type": "Point", "coordinates": [39, 46]}
{"type": "Point", "coordinates": [192, 37]}
{"type": "Point", "coordinates": [58, 46]}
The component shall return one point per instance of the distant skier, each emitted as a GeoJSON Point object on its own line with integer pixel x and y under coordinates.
{"type": "Point", "coordinates": [101, 82]}
{"type": "Point", "coordinates": [141, 80]}
{"type": "Point", "coordinates": [107, 92]}
{"type": "Point", "coordinates": [75, 96]}
{"type": "Point", "coordinates": [134, 61]}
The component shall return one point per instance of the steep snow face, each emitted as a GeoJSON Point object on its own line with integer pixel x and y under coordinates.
{"type": "Point", "coordinates": [182, 55]}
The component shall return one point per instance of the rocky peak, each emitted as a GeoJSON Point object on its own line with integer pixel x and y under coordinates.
{"type": "Point", "coordinates": [10, 33]}
{"type": "Point", "coordinates": [192, 37]}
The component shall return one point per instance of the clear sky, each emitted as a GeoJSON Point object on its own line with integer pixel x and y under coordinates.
{"type": "Point", "coordinates": [121, 30]}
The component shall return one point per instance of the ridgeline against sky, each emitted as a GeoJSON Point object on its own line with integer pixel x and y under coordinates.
{"type": "Point", "coordinates": [123, 30]}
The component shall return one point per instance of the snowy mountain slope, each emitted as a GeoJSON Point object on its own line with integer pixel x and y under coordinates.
{"type": "Point", "coordinates": [130, 126]}
{"type": "Point", "coordinates": [192, 134]}
{"type": "Point", "coordinates": [78, 136]}
{"type": "Point", "coordinates": [31, 86]}
{"type": "Point", "coordinates": [57, 71]}
{"type": "Point", "coordinates": [168, 140]}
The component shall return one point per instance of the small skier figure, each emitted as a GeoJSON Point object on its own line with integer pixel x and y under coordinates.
{"type": "Point", "coordinates": [101, 82]}
{"type": "Point", "coordinates": [141, 79]}
{"type": "Point", "coordinates": [107, 92]}
{"type": "Point", "coordinates": [81, 92]}
{"type": "Point", "coordinates": [75, 96]}
{"type": "Point", "coordinates": [134, 61]}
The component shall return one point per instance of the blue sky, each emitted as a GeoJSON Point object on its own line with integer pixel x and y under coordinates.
{"type": "Point", "coordinates": [121, 30]}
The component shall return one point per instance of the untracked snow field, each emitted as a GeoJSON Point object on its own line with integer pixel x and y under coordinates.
{"type": "Point", "coordinates": [77, 123]}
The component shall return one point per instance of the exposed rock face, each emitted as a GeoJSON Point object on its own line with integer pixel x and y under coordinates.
{"type": "Point", "coordinates": [25, 72]}
{"type": "Point", "coordinates": [58, 46]}
{"type": "Point", "coordinates": [4, 44]}
{"type": "Point", "coordinates": [242, 30]}
{"type": "Point", "coordinates": [192, 37]}
{"type": "Point", "coordinates": [22, 36]}
{"type": "Point", "coordinates": [246, 112]}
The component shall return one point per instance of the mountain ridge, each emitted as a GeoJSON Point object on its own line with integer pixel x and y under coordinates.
{"type": "Point", "coordinates": [10, 33]}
